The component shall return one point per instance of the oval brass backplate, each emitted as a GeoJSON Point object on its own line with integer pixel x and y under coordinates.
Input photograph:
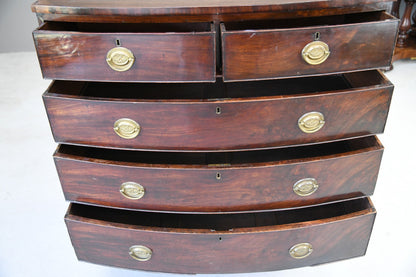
{"type": "Point", "coordinates": [305, 186]}
{"type": "Point", "coordinates": [300, 250]}
{"type": "Point", "coordinates": [120, 59]}
{"type": "Point", "coordinates": [140, 253]}
{"type": "Point", "coordinates": [311, 122]}
{"type": "Point", "coordinates": [126, 128]}
{"type": "Point", "coordinates": [132, 190]}
{"type": "Point", "coordinates": [315, 52]}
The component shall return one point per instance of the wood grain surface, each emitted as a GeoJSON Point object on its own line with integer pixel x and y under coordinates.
{"type": "Point", "coordinates": [70, 52]}
{"type": "Point", "coordinates": [213, 17]}
{"type": "Point", "coordinates": [221, 244]}
{"type": "Point", "coordinates": [260, 180]}
{"type": "Point", "coordinates": [252, 115]}
{"type": "Point", "coordinates": [258, 53]}
{"type": "Point", "coordinates": [183, 7]}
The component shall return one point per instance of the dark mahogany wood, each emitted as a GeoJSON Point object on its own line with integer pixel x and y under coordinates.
{"type": "Point", "coordinates": [221, 243]}
{"type": "Point", "coordinates": [212, 155]}
{"type": "Point", "coordinates": [46, 12]}
{"type": "Point", "coordinates": [406, 42]}
{"type": "Point", "coordinates": [219, 117]}
{"type": "Point", "coordinates": [268, 50]}
{"type": "Point", "coordinates": [259, 180]}
{"type": "Point", "coordinates": [406, 52]}
{"type": "Point", "coordinates": [405, 23]}
{"type": "Point", "coordinates": [166, 53]}
{"type": "Point", "coordinates": [215, 17]}
{"type": "Point", "coordinates": [184, 7]}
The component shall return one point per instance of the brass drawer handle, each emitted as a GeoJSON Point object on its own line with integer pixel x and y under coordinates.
{"type": "Point", "coordinates": [315, 52]}
{"type": "Point", "coordinates": [132, 190]}
{"type": "Point", "coordinates": [301, 250]}
{"type": "Point", "coordinates": [120, 59]}
{"type": "Point", "coordinates": [126, 128]}
{"type": "Point", "coordinates": [311, 122]}
{"type": "Point", "coordinates": [140, 253]}
{"type": "Point", "coordinates": [305, 187]}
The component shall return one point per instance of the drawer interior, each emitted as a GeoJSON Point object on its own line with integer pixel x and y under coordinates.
{"type": "Point", "coordinates": [126, 27]}
{"type": "Point", "coordinates": [331, 20]}
{"type": "Point", "coordinates": [222, 159]}
{"type": "Point", "coordinates": [222, 222]}
{"type": "Point", "coordinates": [220, 90]}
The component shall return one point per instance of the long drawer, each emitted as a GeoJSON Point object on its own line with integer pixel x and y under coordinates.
{"type": "Point", "coordinates": [307, 46]}
{"type": "Point", "coordinates": [220, 116]}
{"type": "Point", "coordinates": [220, 182]}
{"type": "Point", "coordinates": [127, 52]}
{"type": "Point", "coordinates": [221, 243]}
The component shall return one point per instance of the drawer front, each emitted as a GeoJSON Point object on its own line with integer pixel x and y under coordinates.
{"type": "Point", "coordinates": [222, 188]}
{"type": "Point", "coordinates": [184, 250]}
{"type": "Point", "coordinates": [277, 53]}
{"type": "Point", "coordinates": [215, 125]}
{"type": "Point", "coordinates": [158, 57]}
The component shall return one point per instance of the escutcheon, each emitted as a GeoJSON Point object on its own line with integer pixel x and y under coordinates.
{"type": "Point", "coordinates": [140, 253]}
{"type": "Point", "coordinates": [315, 52]}
{"type": "Point", "coordinates": [311, 122]}
{"type": "Point", "coordinates": [120, 59]}
{"type": "Point", "coordinates": [132, 190]}
{"type": "Point", "coordinates": [126, 128]}
{"type": "Point", "coordinates": [305, 187]}
{"type": "Point", "coordinates": [301, 250]}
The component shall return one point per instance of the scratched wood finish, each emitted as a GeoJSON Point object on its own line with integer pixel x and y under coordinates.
{"type": "Point", "coordinates": [174, 124]}
{"type": "Point", "coordinates": [260, 181]}
{"type": "Point", "coordinates": [131, 8]}
{"type": "Point", "coordinates": [214, 17]}
{"type": "Point", "coordinates": [73, 54]}
{"type": "Point", "coordinates": [276, 53]}
{"type": "Point", "coordinates": [221, 243]}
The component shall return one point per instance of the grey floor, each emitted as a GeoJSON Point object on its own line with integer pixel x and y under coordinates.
{"type": "Point", "coordinates": [33, 237]}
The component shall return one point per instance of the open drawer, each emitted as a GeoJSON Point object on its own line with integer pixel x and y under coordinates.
{"type": "Point", "coordinates": [219, 116]}
{"type": "Point", "coordinates": [219, 182]}
{"type": "Point", "coordinates": [221, 243]}
{"type": "Point", "coordinates": [307, 46]}
{"type": "Point", "coordinates": [127, 52]}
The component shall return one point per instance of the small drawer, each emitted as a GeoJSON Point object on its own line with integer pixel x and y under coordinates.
{"type": "Point", "coordinates": [219, 182]}
{"type": "Point", "coordinates": [307, 46]}
{"type": "Point", "coordinates": [221, 243]}
{"type": "Point", "coordinates": [127, 52]}
{"type": "Point", "coordinates": [219, 116]}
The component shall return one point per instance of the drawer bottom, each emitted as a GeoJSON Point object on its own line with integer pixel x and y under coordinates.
{"type": "Point", "coordinates": [221, 243]}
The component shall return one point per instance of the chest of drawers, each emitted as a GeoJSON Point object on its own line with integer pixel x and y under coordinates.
{"type": "Point", "coordinates": [218, 136]}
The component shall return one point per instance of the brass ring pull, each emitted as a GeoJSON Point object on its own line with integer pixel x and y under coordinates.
{"type": "Point", "coordinates": [315, 52]}
{"type": "Point", "coordinates": [132, 190]}
{"type": "Point", "coordinates": [140, 253]}
{"type": "Point", "coordinates": [305, 187]}
{"type": "Point", "coordinates": [127, 128]}
{"type": "Point", "coordinates": [311, 122]}
{"type": "Point", "coordinates": [301, 250]}
{"type": "Point", "coordinates": [120, 59]}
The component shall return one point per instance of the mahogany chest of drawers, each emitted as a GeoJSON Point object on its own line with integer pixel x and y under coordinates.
{"type": "Point", "coordinates": [217, 136]}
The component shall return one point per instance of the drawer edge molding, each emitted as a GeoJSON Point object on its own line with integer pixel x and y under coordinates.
{"type": "Point", "coordinates": [187, 8]}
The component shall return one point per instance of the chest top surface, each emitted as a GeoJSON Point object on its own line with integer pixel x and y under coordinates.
{"type": "Point", "coordinates": [184, 7]}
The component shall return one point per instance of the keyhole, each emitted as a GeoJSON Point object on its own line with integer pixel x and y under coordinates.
{"type": "Point", "coordinates": [218, 176]}
{"type": "Point", "coordinates": [118, 43]}
{"type": "Point", "coordinates": [218, 110]}
{"type": "Point", "coordinates": [317, 35]}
